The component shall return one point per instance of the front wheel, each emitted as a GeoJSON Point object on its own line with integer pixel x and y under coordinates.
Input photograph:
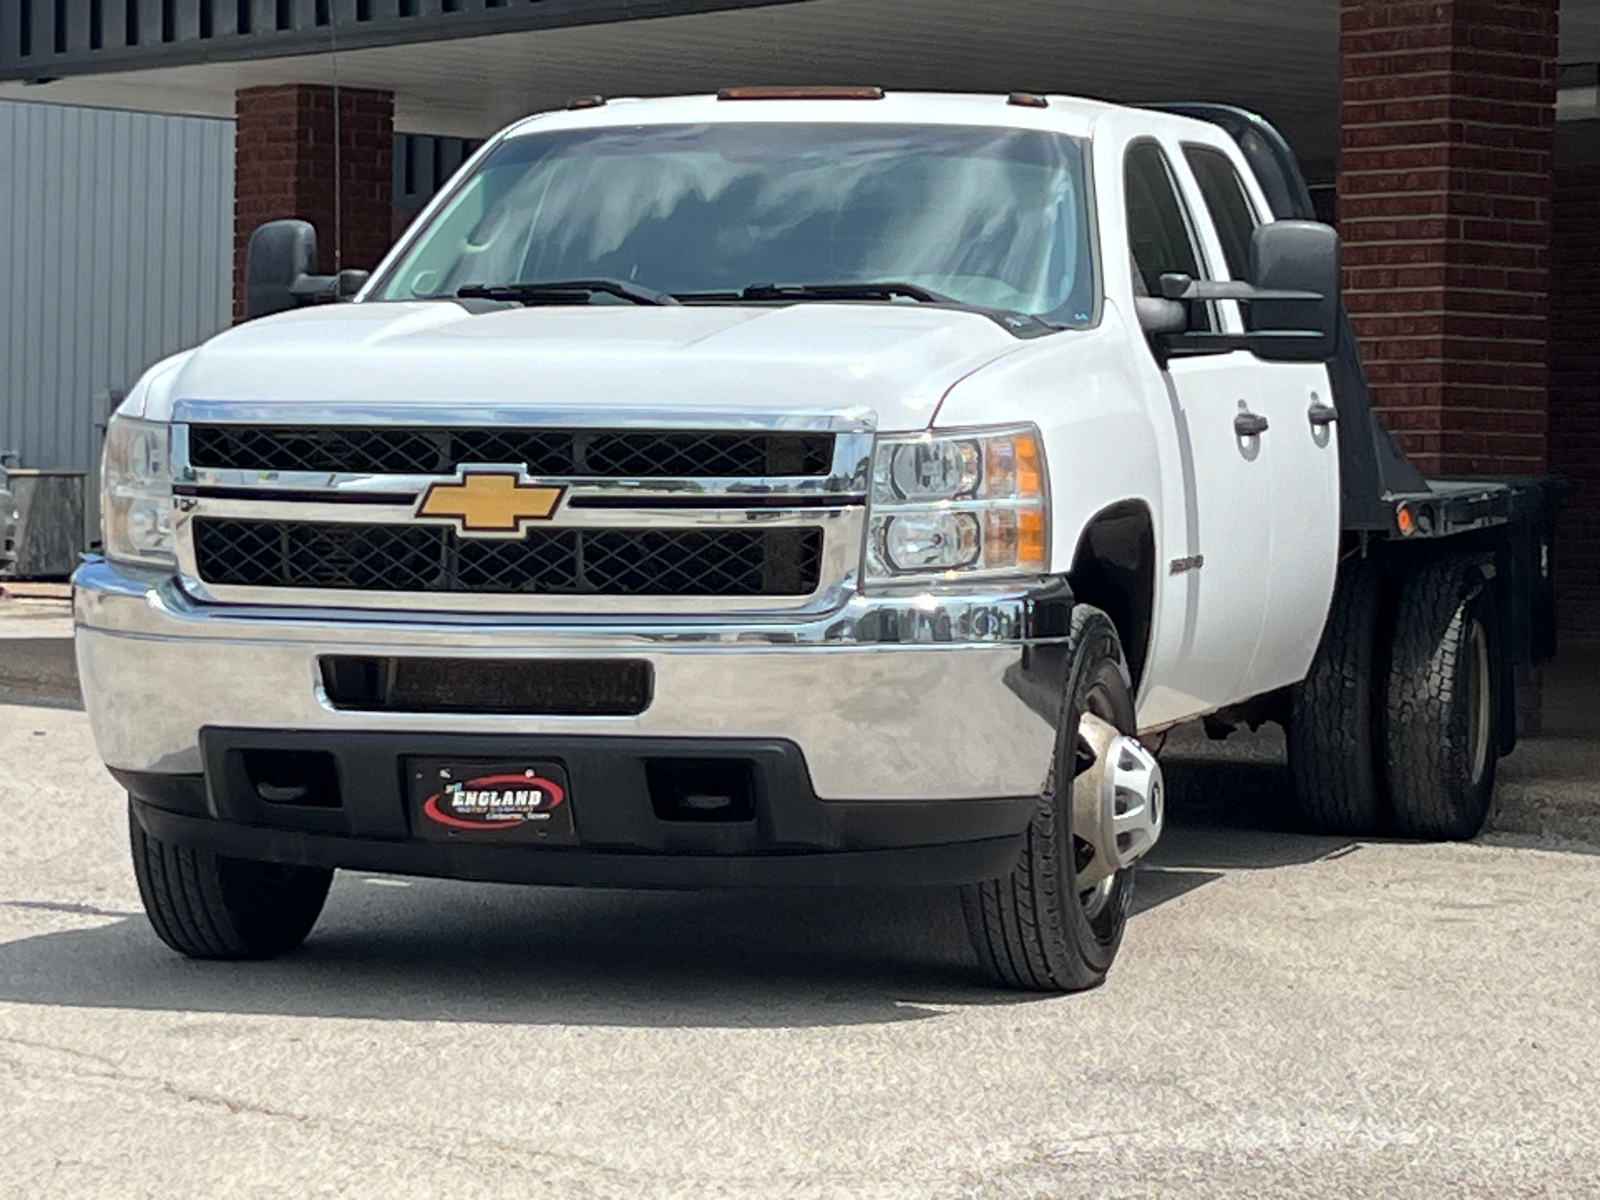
{"type": "Point", "coordinates": [206, 906]}
{"type": "Point", "coordinates": [1055, 922]}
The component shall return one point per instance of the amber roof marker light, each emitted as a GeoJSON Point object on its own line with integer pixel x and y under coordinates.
{"type": "Point", "coordinates": [801, 93]}
{"type": "Point", "coordinates": [1028, 100]}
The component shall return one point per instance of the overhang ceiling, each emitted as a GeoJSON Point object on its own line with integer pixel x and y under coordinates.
{"type": "Point", "coordinates": [1279, 59]}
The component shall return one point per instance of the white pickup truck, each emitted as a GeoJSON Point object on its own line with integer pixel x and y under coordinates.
{"type": "Point", "coordinates": [789, 487]}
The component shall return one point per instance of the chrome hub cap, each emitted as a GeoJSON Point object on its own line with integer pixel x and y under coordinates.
{"type": "Point", "coordinates": [1117, 806]}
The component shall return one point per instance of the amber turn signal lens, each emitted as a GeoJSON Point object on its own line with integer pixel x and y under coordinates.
{"type": "Point", "coordinates": [1030, 540]}
{"type": "Point", "coordinates": [1030, 478]}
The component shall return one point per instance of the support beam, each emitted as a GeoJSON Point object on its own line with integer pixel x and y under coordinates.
{"type": "Point", "coordinates": [284, 166]}
{"type": "Point", "coordinates": [1575, 384]}
{"type": "Point", "coordinates": [1447, 112]}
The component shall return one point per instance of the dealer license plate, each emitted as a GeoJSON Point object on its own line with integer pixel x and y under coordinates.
{"type": "Point", "coordinates": [490, 801]}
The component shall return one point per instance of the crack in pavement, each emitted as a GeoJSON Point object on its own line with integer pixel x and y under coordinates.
{"type": "Point", "coordinates": [462, 1145]}
{"type": "Point", "coordinates": [65, 906]}
{"type": "Point", "coordinates": [516, 1154]}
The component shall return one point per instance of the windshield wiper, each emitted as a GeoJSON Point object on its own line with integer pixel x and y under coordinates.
{"type": "Point", "coordinates": [1022, 325]}
{"type": "Point", "coordinates": [563, 291]}
{"type": "Point", "coordinates": [852, 290]}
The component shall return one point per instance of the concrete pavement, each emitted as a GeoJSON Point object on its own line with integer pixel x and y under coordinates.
{"type": "Point", "coordinates": [1290, 1016]}
{"type": "Point", "coordinates": [36, 662]}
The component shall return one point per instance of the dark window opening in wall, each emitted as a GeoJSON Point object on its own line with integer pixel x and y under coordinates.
{"type": "Point", "coordinates": [448, 5]}
{"type": "Point", "coordinates": [25, 31]}
{"type": "Point", "coordinates": [97, 28]}
{"type": "Point", "coordinates": [409, 165]}
{"type": "Point", "coordinates": [363, 10]}
{"type": "Point", "coordinates": [61, 26]}
{"type": "Point", "coordinates": [1325, 203]}
{"type": "Point", "coordinates": [243, 24]}
{"type": "Point", "coordinates": [322, 12]}
{"type": "Point", "coordinates": [408, 8]}
{"type": "Point", "coordinates": [130, 27]}
{"type": "Point", "coordinates": [168, 22]}
{"type": "Point", "coordinates": [205, 18]}
{"type": "Point", "coordinates": [284, 19]}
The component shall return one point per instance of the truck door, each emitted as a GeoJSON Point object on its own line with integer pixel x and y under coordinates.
{"type": "Point", "coordinates": [1299, 446]}
{"type": "Point", "coordinates": [1213, 590]}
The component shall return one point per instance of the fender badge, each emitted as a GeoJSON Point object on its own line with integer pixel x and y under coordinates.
{"type": "Point", "coordinates": [489, 502]}
{"type": "Point", "coordinates": [1192, 563]}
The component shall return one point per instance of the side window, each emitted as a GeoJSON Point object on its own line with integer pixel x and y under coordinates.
{"type": "Point", "coordinates": [1159, 231]}
{"type": "Point", "coordinates": [1228, 202]}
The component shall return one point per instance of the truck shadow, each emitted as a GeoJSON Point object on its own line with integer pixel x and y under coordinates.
{"type": "Point", "coordinates": [392, 949]}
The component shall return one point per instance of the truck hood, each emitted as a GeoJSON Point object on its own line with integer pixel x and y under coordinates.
{"type": "Point", "coordinates": [896, 360]}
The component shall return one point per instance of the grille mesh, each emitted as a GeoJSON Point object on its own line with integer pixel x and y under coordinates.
{"type": "Point", "coordinates": [424, 558]}
{"type": "Point", "coordinates": [639, 454]}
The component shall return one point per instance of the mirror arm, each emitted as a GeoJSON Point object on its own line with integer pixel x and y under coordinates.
{"type": "Point", "coordinates": [1181, 287]}
{"type": "Point", "coordinates": [1190, 343]}
{"type": "Point", "coordinates": [1182, 344]}
{"type": "Point", "coordinates": [308, 289]}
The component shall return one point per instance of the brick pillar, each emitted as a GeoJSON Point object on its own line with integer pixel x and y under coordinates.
{"type": "Point", "coordinates": [284, 167]}
{"type": "Point", "coordinates": [1575, 393]}
{"type": "Point", "coordinates": [1447, 112]}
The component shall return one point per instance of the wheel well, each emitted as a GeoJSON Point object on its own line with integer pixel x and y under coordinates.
{"type": "Point", "coordinates": [1114, 570]}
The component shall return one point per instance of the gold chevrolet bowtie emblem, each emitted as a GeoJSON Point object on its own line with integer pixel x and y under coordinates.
{"type": "Point", "coordinates": [490, 503]}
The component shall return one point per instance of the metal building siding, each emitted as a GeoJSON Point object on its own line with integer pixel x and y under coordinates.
{"type": "Point", "coordinates": [116, 249]}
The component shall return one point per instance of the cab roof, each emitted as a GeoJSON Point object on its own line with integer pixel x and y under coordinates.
{"type": "Point", "coordinates": [1070, 115]}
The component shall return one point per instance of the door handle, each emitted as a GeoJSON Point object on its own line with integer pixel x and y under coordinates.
{"type": "Point", "coordinates": [1249, 424]}
{"type": "Point", "coordinates": [1322, 414]}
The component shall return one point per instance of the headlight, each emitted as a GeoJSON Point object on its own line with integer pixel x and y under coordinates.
{"type": "Point", "coordinates": [136, 492]}
{"type": "Point", "coordinates": [958, 503]}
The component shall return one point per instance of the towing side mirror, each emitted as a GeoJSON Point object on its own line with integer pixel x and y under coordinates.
{"type": "Point", "coordinates": [1291, 304]}
{"type": "Point", "coordinates": [1287, 257]}
{"type": "Point", "coordinates": [278, 268]}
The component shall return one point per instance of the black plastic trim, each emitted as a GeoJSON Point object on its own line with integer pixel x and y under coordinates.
{"type": "Point", "coordinates": [954, 863]}
{"type": "Point", "coordinates": [793, 838]}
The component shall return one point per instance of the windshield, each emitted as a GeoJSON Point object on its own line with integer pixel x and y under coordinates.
{"type": "Point", "coordinates": [987, 217]}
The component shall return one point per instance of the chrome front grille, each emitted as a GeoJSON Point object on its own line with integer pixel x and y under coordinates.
{"type": "Point", "coordinates": [572, 562]}
{"type": "Point", "coordinates": [709, 512]}
{"type": "Point", "coordinates": [569, 453]}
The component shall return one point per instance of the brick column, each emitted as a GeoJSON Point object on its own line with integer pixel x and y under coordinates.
{"type": "Point", "coordinates": [1447, 112]}
{"type": "Point", "coordinates": [1575, 393]}
{"type": "Point", "coordinates": [284, 167]}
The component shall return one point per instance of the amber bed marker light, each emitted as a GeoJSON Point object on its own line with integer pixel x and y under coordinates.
{"type": "Point", "coordinates": [801, 93]}
{"type": "Point", "coordinates": [1403, 520]}
{"type": "Point", "coordinates": [1027, 100]}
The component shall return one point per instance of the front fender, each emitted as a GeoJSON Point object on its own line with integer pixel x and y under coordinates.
{"type": "Point", "coordinates": [1101, 443]}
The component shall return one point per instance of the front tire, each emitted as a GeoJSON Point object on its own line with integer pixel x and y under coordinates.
{"type": "Point", "coordinates": [206, 906]}
{"type": "Point", "coordinates": [1033, 929]}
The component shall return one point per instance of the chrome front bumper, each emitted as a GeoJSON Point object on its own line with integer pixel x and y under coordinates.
{"type": "Point", "coordinates": [917, 697]}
